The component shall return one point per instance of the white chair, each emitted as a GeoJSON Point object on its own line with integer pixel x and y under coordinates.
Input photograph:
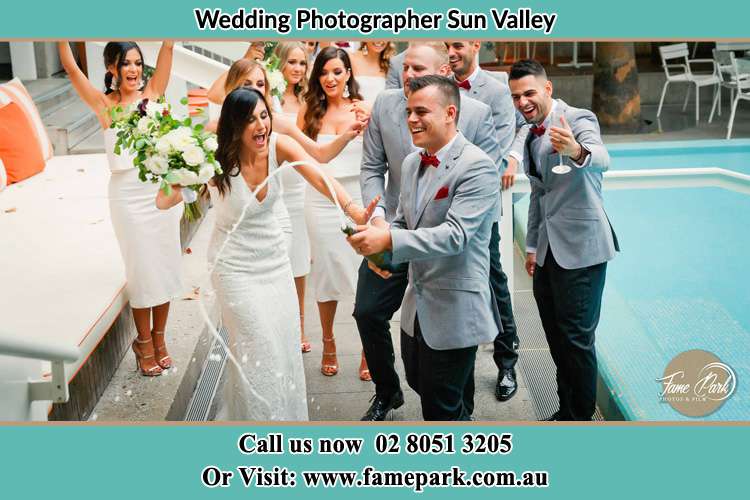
{"type": "Point", "coordinates": [738, 83]}
{"type": "Point", "coordinates": [679, 52]}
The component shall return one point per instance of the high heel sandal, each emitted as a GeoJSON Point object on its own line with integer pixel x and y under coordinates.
{"type": "Point", "coordinates": [364, 372]}
{"type": "Point", "coordinates": [138, 350]}
{"type": "Point", "coordinates": [160, 350]}
{"type": "Point", "coordinates": [306, 346]}
{"type": "Point", "coordinates": [329, 370]}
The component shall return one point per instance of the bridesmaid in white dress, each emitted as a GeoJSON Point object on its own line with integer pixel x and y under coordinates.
{"type": "Point", "coordinates": [252, 276]}
{"type": "Point", "coordinates": [332, 94]}
{"type": "Point", "coordinates": [370, 65]}
{"type": "Point", "coordinates": [290, 207]}
{"type": "Point", "coordinates": [149, 239]}
{"type": "Point", "coordinates": [293, 65]}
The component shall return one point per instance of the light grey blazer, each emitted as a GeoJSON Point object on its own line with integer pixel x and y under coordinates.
{"type": "Point", "coordinates": [496, 95]}
{"type": "Point", "coordinates": [387, 142]}
{"type": "Point", "coordinates": [446, 243]}
{"type": "Point", "coordinates": [566, 211]}
{"type": "Point", "coordinates": [394, 79]}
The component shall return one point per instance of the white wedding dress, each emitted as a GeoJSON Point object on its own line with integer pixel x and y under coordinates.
{"type": "Point", "coordinates": [149, 238]}
{"type": "Point", "coordinates": [255, 290]}
{"type": "Point", "coordinates": [294, 199]}
{"type": "Point", "coordinates": [370, 87]}
{"type": "Point", "coordinates": [334, 263]}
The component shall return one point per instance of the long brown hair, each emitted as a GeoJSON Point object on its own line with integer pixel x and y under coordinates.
{"type": "Point", "coordinates": [315, 97]}
{"type": "Point", "coordinates": [236, 111]}
{"type": "Point", "coordinates": [385, 56]}
{"type": "Point", "coordinates": [238, 73]}
{"type": "Point", "coordinates": [282, 51]}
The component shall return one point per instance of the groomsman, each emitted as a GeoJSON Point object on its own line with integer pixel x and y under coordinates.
{"type": "Point", "coordinates": [387, 142]}
{"type": "Point", "coordinates": [569, 238]}
{"type": "Point", "coordinates": [478, 84]}
{"type": "Point", "coordinates": [448, 202]}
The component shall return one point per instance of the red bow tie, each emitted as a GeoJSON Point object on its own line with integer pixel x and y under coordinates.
{"type": "Point", "coordinates": [428, 159]}
{"type": "Point", "coordinates": [464, 85]}
{"type": "Point", "coordinates": [537, 131]}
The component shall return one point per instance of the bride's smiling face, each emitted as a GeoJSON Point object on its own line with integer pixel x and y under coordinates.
{"type": "Point", "coordinates": [333, 78]}
{"type": "Point", "coordinates": [258, 128]}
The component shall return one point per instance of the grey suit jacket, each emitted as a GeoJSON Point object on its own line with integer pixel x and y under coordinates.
{"type": "Point", "coordinates": [446, 242]}
{"type": "Point", "coordinates": [387, 142]}
{"type": "Point", "coordinates": [394, 79]}
{"type": "Point", "coordinates": [566, 211]}
{"type": "Point", "coordinates": [496, 95]}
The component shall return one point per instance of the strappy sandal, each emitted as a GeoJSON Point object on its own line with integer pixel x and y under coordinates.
{"type": "Point", "coordinates": [306, 346]}
{"type": "Point", "coordinates": [160, 350]}
{"type": "Point", "coordinates": [364, 371]}
{"type": "Point", "coordinates": [329, 370]}
{"type": "Point", "coordinates": [140, 349]}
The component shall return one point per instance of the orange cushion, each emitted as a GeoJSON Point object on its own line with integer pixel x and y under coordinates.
{"type": "Point", "coordinates": [3, 176]}
{"type": "Point", "coordinates": [19, 149]}
{"type": "Point", "coordinates": [16, 92]}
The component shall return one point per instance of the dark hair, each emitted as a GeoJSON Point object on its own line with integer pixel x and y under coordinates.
{"type": "Point", "coordinates": [446, 86]}
{"type": "Point", "coordinates": [315, 97]}
{"type": "Point", "coordinates": [526, 67]}
{"type": "Point", "coordinates": [114, 55]}
{"type": "Point", "coordinates": [236, 111]}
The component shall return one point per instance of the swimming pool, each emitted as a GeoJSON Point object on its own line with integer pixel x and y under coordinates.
{"type": "Point", "coordinates": [681, 281]}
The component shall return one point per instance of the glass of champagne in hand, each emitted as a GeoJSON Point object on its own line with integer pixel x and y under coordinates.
{"type": "Point", "coordinates": [556, 121]}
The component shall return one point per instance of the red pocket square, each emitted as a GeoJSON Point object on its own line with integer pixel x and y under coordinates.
{"type": "Point", "coordinates": [442, 193]}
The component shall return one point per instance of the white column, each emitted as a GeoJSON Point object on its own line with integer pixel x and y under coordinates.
{"type": "Point", "coordinates": [95, 64]}
{"type": "Point", "coordinates": [23, 60]}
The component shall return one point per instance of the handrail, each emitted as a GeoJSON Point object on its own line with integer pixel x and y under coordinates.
{"type": "Point", "coordinates": [24, 348]}
{"type": "Point", "coordinates": [624, 179]}
{"type": "Point", "coordinates": [55, 389]}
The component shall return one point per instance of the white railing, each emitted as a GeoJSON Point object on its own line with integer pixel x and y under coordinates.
{"type": "Point", "coordinates": [628, 179]}
{"type": "Point", "coordinates": [19, 386]}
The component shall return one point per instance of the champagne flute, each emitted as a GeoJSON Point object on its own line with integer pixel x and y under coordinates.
{"type": "Point", "coordinates": [556, 121]}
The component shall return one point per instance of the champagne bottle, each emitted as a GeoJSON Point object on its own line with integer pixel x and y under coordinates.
{"type": "Point", "coordinates": [381, 259]}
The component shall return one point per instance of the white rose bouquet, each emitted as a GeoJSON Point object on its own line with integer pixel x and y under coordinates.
{"type": "Point", "coordinates": [166, 149]}
{"type": "Point", "coordinates": [276, 80]}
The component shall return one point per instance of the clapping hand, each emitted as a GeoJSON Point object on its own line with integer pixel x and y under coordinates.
{"type": "Point", "coordinates": [563, 140]}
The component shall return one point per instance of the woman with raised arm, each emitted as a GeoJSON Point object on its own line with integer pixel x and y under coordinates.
{"type": "Point", "coordinates": [252, 275]}
{"type": "Point", "coordinates": [331, 93]}
{"type": "Point", "coordinates": [149, 239]}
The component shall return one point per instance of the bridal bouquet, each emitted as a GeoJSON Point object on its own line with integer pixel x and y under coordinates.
{"type": "Point", "coordinates": [276, 80]}
{"type": "Point", "coordinates": [167, 149]}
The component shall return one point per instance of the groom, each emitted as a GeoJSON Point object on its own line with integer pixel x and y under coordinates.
{"type": "Point", "coordinates": [447, 205]}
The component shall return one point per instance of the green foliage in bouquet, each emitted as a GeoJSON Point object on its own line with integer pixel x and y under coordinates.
{"type": "Point", "coordinates": [166, 149]}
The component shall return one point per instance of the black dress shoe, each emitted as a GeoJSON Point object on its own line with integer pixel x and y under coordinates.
{"type": "Point", "coordinates": [506, 385]}
{"type": "Point", "coordinates": [555, 417]}
{"type": "Point", "coordinates": [381, 406]}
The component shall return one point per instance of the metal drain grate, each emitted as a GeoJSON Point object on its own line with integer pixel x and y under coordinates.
{"type": "Point", "coordinates": [205, 390]}
{"type": "Point", "coordinates": [534, 359]}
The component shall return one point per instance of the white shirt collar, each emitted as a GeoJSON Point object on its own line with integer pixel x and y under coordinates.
{"type": "Point", "coordinates": [472, 76]}
{"type": "Point", "coordinates": [443, 152]}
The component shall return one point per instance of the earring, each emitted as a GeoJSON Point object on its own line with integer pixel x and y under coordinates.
{"type": "Point", "coordinates": [364, 49]}
{"type": "Point", "coordinates": [346, 91]}
{"type": "Point", "coordinates": [115, 83]}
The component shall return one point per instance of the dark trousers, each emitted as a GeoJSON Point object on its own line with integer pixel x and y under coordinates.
{"type": "Point", "coordinates": [376, 301]}
{"type": "Point", "coordinates": [444, 380]}
{"type": "Point", "coordinates": [569, 302]}
{"type": "Point", "coordinates": [505, 356]}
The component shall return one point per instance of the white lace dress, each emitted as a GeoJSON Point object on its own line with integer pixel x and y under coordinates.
{"type": "Point", "coordinates": [334, 264]}
{"type": "Point", "coordinates": [149, 238]}
{"type": "Point", "coordinates": [253, 282]}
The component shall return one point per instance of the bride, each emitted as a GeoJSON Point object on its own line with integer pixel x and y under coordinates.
{"type": "Point", "coordinates": [252, 274]}
{"type": "Point", "coordinates": [149, 239]}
